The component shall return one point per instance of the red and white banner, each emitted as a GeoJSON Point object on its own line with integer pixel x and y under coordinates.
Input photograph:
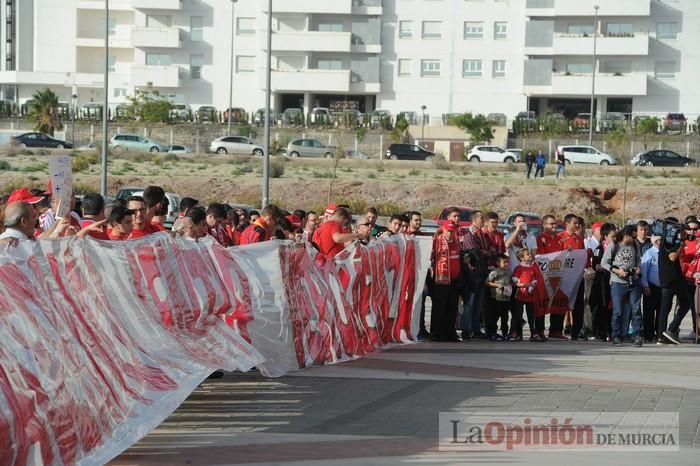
{"type": "Point", "coordinates": [101, 341]}
{"type": "Point", "coordinates": [562, 273]}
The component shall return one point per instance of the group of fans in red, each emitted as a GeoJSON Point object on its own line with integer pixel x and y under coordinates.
{"type": "Point", "coordinates": [633, 278]}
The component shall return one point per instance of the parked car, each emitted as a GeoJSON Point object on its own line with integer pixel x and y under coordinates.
{"type": "Point", "coordinates": [465, 216]}
{"type": "Point", "coordinates": [238, 115]}
{"type": "Point", "coordinates": [662, 158]}
{"type": "Point", "coordinates": [180, 112]}
{"type": "Point", "coordinates": [379, 116]}
{"type": "Point", "coordinates": [320, 116]}
{"type": "Point", "coordinates": [518, 152]}
{"type": "Point", "coordinates": [136, 143]}
{"type": "Point", "coordinates": [356, 154]}
{"type": "Point", "coordinates": [412, 118]}
{"type": "Point", "coordinates": [126, 193]}
{"type": "Point", "coordinates": [498, 119]}
{"type": "Point", "coordinates": [259, 117]}
{"type": "Point", "coordinates": [428, 228]}
{"type": "Point", "coordinates": [352, 118]}
{"type": "Point", "coordinates": [492, 154]}
{"type": "Point", "coordinates": [122, 112]}
{"type": "Point", "coordinates": [293, 116]}
{"type": "Point", "coordinates": [586, 154]}
{"type": "Point", "coordinates": [39, 140]}
{"type": "Point", "coordinates": [612, 120]}
{"type": "Point", "coordinates": [408, 152]}
{"type": "Point", "coordinates": [526, 117]}
{"type": "Point", "coordinates": [675, 122]}
{"type": "Point", "coordinates": [235, 145]}
{"type": "Point", "coordinates": [179, 149]}
{"type": "Point", "coordinates": [91, 111]}
{"type": "Point", "coordinates": [207, 114]}
{"type": "Point", "coordinates": [309, 148]}
{"type": "Point", "coordinates": [582, 121]}
{"type": "Point", "coordinates": [173, 206]}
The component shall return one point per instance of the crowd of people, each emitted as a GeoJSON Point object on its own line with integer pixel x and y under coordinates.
{"type": "Point", "coordinates": [629, 288]}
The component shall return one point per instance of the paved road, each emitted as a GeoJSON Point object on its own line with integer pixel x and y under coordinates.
{"type": "Point", "coordinates": [383, 409]}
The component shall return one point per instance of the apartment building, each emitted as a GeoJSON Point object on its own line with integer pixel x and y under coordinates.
{"type": "Point", "coordinates": [451, 56]}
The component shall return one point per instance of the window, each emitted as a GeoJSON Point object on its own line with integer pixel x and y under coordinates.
{"type": "Point", "coordinates": [119, 92]}
{"type": "Point", "coordinates": [245, 26]}
{"type": "Point", "coordinates": [330, 64]}
{"type": "Point", "coordinates": [471, 68]}
{"type": "Point", "coordinates": [499, 69]}
{"type": "Point", "coordinates": [617, 67]}
{"type": "Point", "coordinates": [579, 68]}
{"type": "Point", "coordinates": [500, 30]}
{"type": "Point", "coordinates": [196, 66]}
{"type": "Point", "coordinates": [430, 68]}
{"type": "Point", "coordinates": [196, 28]}
{"type": "Point", "coordinates": [330, 27]}
{"type": "Point", "coordinates": [405, 29]}
{"type": "Point", "coordinates": [665, 70]}
{"type": "Point", "coordinates": [404, 67]}
{"type": "Point", "coordinates": [580, 29]}
{"type": "Point", "coordinates": [619, 28]}
{"type": "Point", "coordinates": [112, 25]}
{"type": "Point", "coordinates": [432, 29]}
{"type": "Point", "coordinates": [158, 59]}
{"type": "Point", "coordinates": [245, 63]}
{"type": "Point", "coordinates": [111, 61]}
{"type": "Point", "coordinates": [666, 30]}
{"type": "Point", "coordinates": [473, 30]}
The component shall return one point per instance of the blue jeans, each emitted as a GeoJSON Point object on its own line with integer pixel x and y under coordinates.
{"type": "Point", "coordinates": [561, 169]}
{"type": "Point", "coordinates": [626, 301]}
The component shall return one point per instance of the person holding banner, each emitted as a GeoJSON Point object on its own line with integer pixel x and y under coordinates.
{"type": "Point", "coordinates": [446, 265]}
{"type": "Point", "coordinates": [20, 219]}
{"type": "Point", "coordinates": [623, 261]}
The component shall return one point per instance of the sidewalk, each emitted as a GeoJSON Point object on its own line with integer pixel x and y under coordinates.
{"type": "Point", "coordinates": [383, 409]}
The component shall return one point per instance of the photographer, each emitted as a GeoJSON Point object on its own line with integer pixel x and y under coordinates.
{"type": "Point", "coordinates": [623, 262]}
{"type": "Point", "coordinates": [671, 279]}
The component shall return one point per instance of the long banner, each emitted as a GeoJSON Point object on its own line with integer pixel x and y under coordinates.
{"type": "Point", "coordinates": [101, 341]}
{"type": "Point", "coordinates": [562, 273]}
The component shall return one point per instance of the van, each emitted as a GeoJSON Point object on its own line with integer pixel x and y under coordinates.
{"type": "Point", "coordinates": [585, 154]}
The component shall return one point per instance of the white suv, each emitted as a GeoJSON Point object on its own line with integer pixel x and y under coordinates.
{"type": "Point", "coordinates": [492, 154]}
{"type": "Point", "coordinates": [586, 154]}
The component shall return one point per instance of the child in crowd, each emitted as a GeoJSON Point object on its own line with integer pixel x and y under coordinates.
{"type": "Point", "coordinates": [529, 282]}
{"type": "Point", "coordinates": [499, 282]}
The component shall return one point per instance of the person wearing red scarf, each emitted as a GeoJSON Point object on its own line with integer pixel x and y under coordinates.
{"type": "Point", "coordinates": [261, 229]}
{"type": "Point", "coordinates": [446, 264]}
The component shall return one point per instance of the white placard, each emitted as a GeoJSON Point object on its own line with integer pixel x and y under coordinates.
{"type": "Point", "coordinates": [61, 176]}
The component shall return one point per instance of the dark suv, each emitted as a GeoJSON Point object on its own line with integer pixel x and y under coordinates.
{"type": "Point", "coordinates": [408, 152]}
{"type": "Point", "coordinates": [674, 122]}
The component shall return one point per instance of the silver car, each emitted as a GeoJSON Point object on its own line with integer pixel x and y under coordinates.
{"type": "Point", "coordinates": [309, 148]}
{"type": "Point", "coordinates": [235, 145]}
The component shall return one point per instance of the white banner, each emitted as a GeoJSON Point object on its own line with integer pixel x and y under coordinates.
{"type": "Point", "coordinates": [562, 272]}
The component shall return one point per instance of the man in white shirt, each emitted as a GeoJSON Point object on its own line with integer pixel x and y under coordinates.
{"type": "Point", "coordinates": [20, 219]}
{"type": "Point", "coordinates": [519, 238]}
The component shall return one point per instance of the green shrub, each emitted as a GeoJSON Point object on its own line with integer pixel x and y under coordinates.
{"type": "Point", "coordinates": [25, 152]}
{"type": "Point", "coordinates": [5, 165]}
{"type": "Point", "coordinates": [388, 208]}
{"type": "Point", "coordinates": [36, 167]}
{"type": "Point", "coordinates": [413, 172]}
{"type": "Point", "coordinates": [171, 158]}
{"type": "Point", "coordinates": [440, 163]}
{"type": "Point", "coordinates": [276, 170]}
{"type": "Point", "coordinates": [80, 164]}
{"type": "Point", "coordinates": [43, 152]}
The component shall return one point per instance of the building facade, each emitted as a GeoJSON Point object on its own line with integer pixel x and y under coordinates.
{"type": "Point", "coordinates": [450, 56]}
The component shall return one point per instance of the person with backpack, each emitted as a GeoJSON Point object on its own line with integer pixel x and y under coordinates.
{"type": "Point", "coordinates": [623, 261]}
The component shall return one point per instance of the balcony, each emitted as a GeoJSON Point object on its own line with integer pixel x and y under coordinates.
{"type": "Point", "coordinates": [607, 8]}
{"type": "Point", "coordinates": [156, 37]}
{"type": "Point", "coordinates": [342, 7]}
{"type": "Point", "coordinates": [157, 4]}
{"type": "Point", "coordinates": [577, 45]}
{"type": "Point", "coordinates": [156, 76]}
{"type": "Point", "coordinates": [311, 41]}
{"type": "Point", "coordinates": [580, 85]}
{"type": "Point", "coordinates": [114, 5]}
{"type": "Point", "coordinates": [309, 80]}
{"type": "Point", "coordinates": [52, 78]}
{"type": "Point", "coordinates": [120, 39]}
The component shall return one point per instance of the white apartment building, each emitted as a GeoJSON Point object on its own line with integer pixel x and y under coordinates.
{"type": "Point", "coordinates": [451, 56]}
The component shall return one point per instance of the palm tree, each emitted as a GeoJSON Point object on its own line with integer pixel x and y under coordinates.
{"type": "Point", "coordinates": [44, 111]}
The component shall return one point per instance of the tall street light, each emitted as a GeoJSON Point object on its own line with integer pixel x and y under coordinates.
{"type": "Point", "coordinates": [230, 80]}
{"type": "Point", "coordinates": [105, 108]}
{"type": "Point", "coordinates": [268, 93]}
{"type": "Point", "coordinates": [422, 125]}
{"type": "Point", "coordinates": [591, 123]}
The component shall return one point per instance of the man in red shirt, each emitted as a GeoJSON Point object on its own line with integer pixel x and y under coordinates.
{"type": "Point", "coordinates": [548, 241]}
{"type": "Point", "coordinates": [121, 223]}
{"type": "Point", "coordinates": [263, 227]}
{"type": "Point", "coordinates": [330, 237]}
{"type": "Point", "coordinates": [156, 206]}
{"type": "Point", "coordinates": [494, 239]}
{"type": "Point", "coordinates": [415, 222]}
{"type": "Point", "coordinates": [570, 240]}
{"type": "Point", "coordinates": [141, 225]}
{"type": "Point", "coordinates": [446, 267]}
{"type": "Point", "coordinates": [93, 206]}
{"type": "Point", "coordinates": [216, 224]}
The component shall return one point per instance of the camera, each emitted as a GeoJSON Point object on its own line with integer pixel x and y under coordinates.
{"type": "Point", "coordinates": [672, 233]}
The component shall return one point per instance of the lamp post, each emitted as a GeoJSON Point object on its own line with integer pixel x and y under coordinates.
{"type": "Point", "coordinates": [422, 124]}
{"type": "Point", "coordinates": [268, 92]}
{"type": "Point", "coordinates": [230, 80]}
{"type": "Point", "coordinates": [591, 123]}
{"type": "Point", "coordinates": [105, 108]}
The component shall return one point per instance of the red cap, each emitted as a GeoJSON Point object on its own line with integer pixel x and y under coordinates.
{"type": "Point", "coordinates": [294, 220]}
{"type": "Point", "coordinates": [23, 194]}
{"type": "Point", "coordinates": [596, 226]}
{"type": "Point", "coordinates": [330, 208]}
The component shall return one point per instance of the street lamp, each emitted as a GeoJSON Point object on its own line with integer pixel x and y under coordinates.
{"type": "Point", "coordinates": [230, 81]}
{"type": "Point", "coordinates": [591, 123]}
{"type": "Point", "coordinates": [422, 124]}
{"type": "Point", "coordinates": [268, 92]}
{"type": "Point", "coordinates": [105, 108]}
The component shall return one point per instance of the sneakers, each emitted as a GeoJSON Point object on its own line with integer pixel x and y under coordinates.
{"type": "Point", "coordinates": [617, 342]}
{"type": "Point", "coordinates": [638, 341]}
{"type": "Point", "coordinates": [423, 335]}
{"type": "Point", "coordinates": [567, 331]}
{"type": "Point", "coordinates": [672, 337]}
